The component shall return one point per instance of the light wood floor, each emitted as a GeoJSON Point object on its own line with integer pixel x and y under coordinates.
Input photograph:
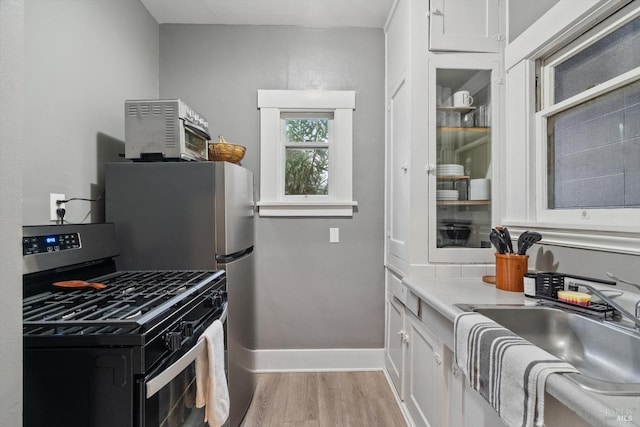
{"type": "Point", "coordinates": [323, 399]}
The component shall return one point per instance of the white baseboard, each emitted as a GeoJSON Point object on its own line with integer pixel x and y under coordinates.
{"type": "Point", "coordinates": [316, 360]}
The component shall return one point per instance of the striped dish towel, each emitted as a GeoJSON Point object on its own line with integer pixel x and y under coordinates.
{"type": "Point", "coordinates": [507, 370]}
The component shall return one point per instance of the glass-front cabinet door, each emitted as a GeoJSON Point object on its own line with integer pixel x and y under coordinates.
{"type": "Point", "coordinates": [462, 137]}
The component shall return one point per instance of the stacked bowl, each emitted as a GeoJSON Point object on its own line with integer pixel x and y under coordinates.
{"type": "Point", "coordinates": [449, 170]}
{"type": "Point", "coordinates": [446, 194]}
{"type": "Point", "coordinates": [480, 189]}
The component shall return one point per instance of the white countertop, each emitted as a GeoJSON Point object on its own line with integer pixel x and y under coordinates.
{"type": "Point", "coordinates": [597, 409]}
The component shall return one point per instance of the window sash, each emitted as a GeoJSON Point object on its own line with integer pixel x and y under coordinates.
{"type": "Point", "coordinates": [548, 65]}
{"type": "Point", "coordinates": [600, 216]}
{"type": "Point", "coordinates": [329, 146]}
{"type": "Point", "coordinates": [594, 218]}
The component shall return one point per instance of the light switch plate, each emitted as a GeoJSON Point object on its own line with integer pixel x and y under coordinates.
{"type": "Point", "coordinates": [334, 235]}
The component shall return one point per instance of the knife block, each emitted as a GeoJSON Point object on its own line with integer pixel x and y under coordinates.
{"type": "Point", "coordinates": [510, 270]}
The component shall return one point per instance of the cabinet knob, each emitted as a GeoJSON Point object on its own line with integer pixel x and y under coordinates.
{"type": "Point", "coordinates": [438, 359]}
{"type": "Point", "coordinates": [404, 168]}
{"type": "Point", "coordinates": [434, 12]}
{"type": "Point", "coordinates": [430, 168]}
{"type": "Point", "coordinates": [456, 372]}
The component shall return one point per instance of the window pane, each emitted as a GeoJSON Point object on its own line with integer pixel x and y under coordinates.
{"type": "Point", "coordinates": [307, 171]}
{"type": "Point", "coordinates": [594, 153]}
{"type": "Point", "coordinates": [609, 57]}
{"type": "Point", "coordinates": [307, 130]}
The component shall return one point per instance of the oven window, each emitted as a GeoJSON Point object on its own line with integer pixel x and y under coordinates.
{"type": "Point", "coordinates": [195, 143]}
{"type": "Point", "coordinates": [175, 404]}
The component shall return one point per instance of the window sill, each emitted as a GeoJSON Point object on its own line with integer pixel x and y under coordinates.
{"type": "Point", "coordinates": [606, 239]}
{"type": "Point", "coordinates": [307, 208]}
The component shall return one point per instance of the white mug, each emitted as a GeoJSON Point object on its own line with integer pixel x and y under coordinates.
{"type": "Point", "coordinates": [462, 99]}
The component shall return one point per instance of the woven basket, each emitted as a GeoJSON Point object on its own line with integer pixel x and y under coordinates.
{"type": "Point", "coordinates": [223, 151]}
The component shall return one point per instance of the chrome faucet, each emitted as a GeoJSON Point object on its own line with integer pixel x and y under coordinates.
{"type": "Point", "coordinates": [617, 279]}
{"type": "Point", "coordinates": [635, 319]}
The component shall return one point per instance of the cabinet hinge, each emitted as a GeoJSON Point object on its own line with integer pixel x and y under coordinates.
{"type": "Point", "coordinates": [498, 37]}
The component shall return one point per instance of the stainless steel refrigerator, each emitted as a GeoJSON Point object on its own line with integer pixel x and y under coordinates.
{"type": "Point", "coordinates": [193, 215]}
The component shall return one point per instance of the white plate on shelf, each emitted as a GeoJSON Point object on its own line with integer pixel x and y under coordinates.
{"type": "Point", "coordinates": [447, 195]}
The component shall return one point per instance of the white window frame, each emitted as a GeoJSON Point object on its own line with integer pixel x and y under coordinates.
{"type": "Point", "coordinates": [272, 105]}
{"type": "Point", "coordinates": [609, 230]}
{"type": "Point", "coordinates": [594, 217]}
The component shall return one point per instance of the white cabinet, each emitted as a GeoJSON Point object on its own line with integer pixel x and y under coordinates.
{"type": "Point", "coordinates": [467, 408]}
{"type": "Point", "coordinates": [398, 135]}
{"type": "Point", "coordinates": [415, 359]}
{"type": "Point", "coordinates": [466, 25]}
{"type": "Point", "coordinates": [464, 137]}
{"type": "Point", "coordinates": [425, 376]}
{"type": "Point", "coordinates": [395, 341]}
{"type": "Point", "coordinates": [423, 231]}
{"type": "Point", "coordinates": [398, 178]}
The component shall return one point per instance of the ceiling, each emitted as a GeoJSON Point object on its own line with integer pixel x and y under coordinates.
{"type": "Point", "coordinates": [309, 13]}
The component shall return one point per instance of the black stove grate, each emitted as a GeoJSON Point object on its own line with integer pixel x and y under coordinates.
{"type": "Point", "coordinates": [131, 300]}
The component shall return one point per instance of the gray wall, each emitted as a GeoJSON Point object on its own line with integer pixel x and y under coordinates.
{"type": "Point", "coordinates": [11, 143]}
{"type": "Point", "coordinates": [311, 294]}
{"type": "Point", "coordinates": [70, 64]}
{"type": "Point", "coordinates": [82, 60]}
{"type": "Point", "coordinates": [587, 263]}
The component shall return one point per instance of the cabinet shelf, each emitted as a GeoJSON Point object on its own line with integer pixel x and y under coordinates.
{"type": "Point", "coordinates": [460, 109]}
{"type": "Point", "coordinates": [452, 177]}
{"type": "Point", "coordinates": [463, 202]}
{"type": "Point", "coordinates": [463, 129]}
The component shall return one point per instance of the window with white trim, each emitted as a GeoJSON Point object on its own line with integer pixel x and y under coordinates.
{"type": "Point", "coordinates": [588, 126]}
{"type": "Point", "coordinates": [306, 140]}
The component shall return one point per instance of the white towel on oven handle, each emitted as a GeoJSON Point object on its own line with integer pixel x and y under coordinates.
{"type": "Point", "coordinates": [211, 384]}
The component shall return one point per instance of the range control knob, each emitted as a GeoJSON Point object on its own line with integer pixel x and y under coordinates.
{"type": "Point", "coordinates": [215, 300]}
{"type": "Point", "coordinates": [173, 340]}
{"type": "Point", "coordinates": [187, 329]}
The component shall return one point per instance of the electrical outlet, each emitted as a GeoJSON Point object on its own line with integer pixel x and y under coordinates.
{"type": "Point", "coordinates": [53, 206]}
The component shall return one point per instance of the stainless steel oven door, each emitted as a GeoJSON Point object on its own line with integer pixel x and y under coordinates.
{"type": "Point", "coordinates": [170, 396]}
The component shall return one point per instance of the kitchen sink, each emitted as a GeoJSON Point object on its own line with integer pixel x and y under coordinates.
{"type": "Point", "coordinates": [607, 357]}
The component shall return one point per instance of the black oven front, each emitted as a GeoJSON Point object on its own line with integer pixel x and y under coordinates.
{"type": "Point", "coordinates": [80, 372]}
{"type": "Point", "coordinates": [166, 396]}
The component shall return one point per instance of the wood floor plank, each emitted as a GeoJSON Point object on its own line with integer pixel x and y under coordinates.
{"type": "Point", "coordinates": [323, 399]}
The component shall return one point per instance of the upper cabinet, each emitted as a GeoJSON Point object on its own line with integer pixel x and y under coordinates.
{"type": "Point", "coordinates": [461, 209]}
{"type": "Point", "coordinates": [466, 25]}
{"type": "Point", "coordinates": [443, 154]}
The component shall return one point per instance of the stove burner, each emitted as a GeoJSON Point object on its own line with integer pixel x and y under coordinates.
{"type": "Point", "coordinates": [132, 299]}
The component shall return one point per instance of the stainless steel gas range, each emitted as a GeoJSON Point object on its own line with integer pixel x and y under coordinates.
{"type": "Point", "coordinates": [122, 355]}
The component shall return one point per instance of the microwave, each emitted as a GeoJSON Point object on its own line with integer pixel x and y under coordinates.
{"type": "Point", "coordinates": [164, 129]}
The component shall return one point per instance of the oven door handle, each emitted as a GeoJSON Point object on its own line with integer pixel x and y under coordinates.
{"type": "Point", "coordinates": [156, 383]}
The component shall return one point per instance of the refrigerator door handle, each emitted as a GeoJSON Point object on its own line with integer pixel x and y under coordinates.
{"type": "Point", "coordinates": [224, 259]}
